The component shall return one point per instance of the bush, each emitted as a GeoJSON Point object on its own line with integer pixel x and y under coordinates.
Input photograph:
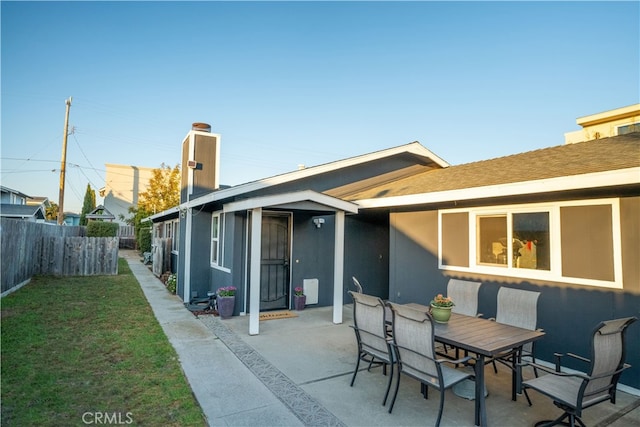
{"type": "Point", "coordinates": [102, 229]}
{"type": "Point", "coordinates": [144, 240]}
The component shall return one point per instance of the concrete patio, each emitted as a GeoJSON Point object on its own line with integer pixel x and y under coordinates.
{"type": "Point", "coordinates": [316, 359]}
{"type": "Point", "coordinates": [297, 372]}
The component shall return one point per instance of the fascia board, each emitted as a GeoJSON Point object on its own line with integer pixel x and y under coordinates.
{"type": "Point", "coordinates": [414, 148]}
{"type": "Point", "coordinates": [575, 182]}
{"type": "Point", "coordinates": [288, 198]}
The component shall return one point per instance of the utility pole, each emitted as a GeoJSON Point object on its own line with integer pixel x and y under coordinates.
{"type": "Point", "coordinates": [63, 165]}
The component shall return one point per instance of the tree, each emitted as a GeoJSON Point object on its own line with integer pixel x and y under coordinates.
{"type": "Point", "coordinates": [88, 205]}
{"type": "Point", "coordinates": [163, 191]}
{"type": "Point", "coordinates": [51, 212]}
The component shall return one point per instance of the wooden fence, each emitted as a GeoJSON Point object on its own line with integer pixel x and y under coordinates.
{"type": "Point", "coordinates": [161, 253]}
{"type": "Point", "coordinates": [29, 248]}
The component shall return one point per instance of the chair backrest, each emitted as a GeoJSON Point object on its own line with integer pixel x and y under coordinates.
{"type": "Point", "coordinates": [357, 284]}
{"type": "Point", "coordinates": [464, 295]}
{"type": "Point", "coordinates": [368, 318]}
{"type": "Point", "coordinates": [517, 307]}
{"type": "Point", "coordinates": [607, 355]}
{"type": "Point", "coordinates": [414, 341]}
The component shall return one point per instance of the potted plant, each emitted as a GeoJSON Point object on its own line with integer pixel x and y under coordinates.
{"type": "Point", "coordinates": [226, 301]}
{"type": "Point", "coordinates": [299, 298]}
{"type": "Point", "coordinates": [441, 308]}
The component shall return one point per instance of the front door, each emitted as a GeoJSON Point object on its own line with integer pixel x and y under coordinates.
{"type": "Point", "coordinates": [274, 262]}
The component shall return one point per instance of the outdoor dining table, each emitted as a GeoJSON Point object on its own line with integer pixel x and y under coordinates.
{"type": "Point", "coordinates": [485, 338]}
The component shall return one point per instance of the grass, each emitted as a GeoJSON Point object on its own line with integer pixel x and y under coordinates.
{"type": "Point", "coordinates": [78, 345]}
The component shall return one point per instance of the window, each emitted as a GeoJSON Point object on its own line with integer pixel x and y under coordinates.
{"type": "Point", "coordinates": [176, 235]}
{"type": "Point", "coordinates": [576, 242]}
{"type": "Point", "coordinates": [216, 239]}
{"type": "Point", "coordinates": [634, 127]}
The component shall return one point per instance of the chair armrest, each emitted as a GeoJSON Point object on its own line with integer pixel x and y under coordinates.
{"type": "Point", "coordinates": [559, 356]}
{"type": "Point", "coordinates": [454, 362]}
{"type": "Point", "coordinates": [553, 371]}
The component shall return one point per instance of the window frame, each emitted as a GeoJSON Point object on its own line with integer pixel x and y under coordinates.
{"type": "Point", "coordinates": [218, 241]}
{"type": "Point", "coordinates": [555, 256]}
{"type": "Point", "coordinates": [175, 241]}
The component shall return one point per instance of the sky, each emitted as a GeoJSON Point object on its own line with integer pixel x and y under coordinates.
{"type": "Point", "coordinates": [299, 83]}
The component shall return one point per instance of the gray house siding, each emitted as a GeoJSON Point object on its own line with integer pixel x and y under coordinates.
{"type": "Point", "coordinates": [567, 312]}
{"type": "Point", "coordinates": [366, 254]}
{"type": "Point", "coordinates": [313, 254]}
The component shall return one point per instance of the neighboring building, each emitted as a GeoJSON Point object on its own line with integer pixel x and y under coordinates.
{"type": "Point", "coordinates": [15, 204]}
{"type": "Point", "coordinates": [123, 184]}
{"type": "Point", "coordinates": [620, 121]}
{"type": "Point", "coordinates": [561, 220]}
{"type": "Point", "coordinates": [100, 213]}
{"type": "Point", "coordinates": [71, 218]}
{"type": "Point", "coordinates": [9, 196]}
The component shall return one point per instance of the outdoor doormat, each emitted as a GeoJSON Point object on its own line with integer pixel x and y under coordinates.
{"type": "Point", "coordinates": [270, 315]}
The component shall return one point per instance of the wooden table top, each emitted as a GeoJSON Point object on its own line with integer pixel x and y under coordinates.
{"type": "Point", "coordinates": [480, 336]}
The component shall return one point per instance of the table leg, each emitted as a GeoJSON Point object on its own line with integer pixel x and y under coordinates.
{"type": "Point", "coordinates": [481, 409]}
{"type": "Point", "coordinates": [515, 386]}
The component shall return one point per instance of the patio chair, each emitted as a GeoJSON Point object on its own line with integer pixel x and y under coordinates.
{"type": "Point", "coordinates": [357, 284]}
{"type": "Point", "coordinates": [465, 297]}
{"type": "Point", "coordinates": [374, 346]}
{"type": "Point", "coordinates": [517, 307]}
{"type": "Point", "coordinates": [573, 392]}
{"type": "Point", "coordinates": [387, 310]}
{"type": "Point", "coordinates": [413, 341]}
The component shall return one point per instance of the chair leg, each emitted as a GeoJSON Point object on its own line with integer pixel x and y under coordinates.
{"type": "Point", "coordinates": [441, 407]}
{"type": "Point", "coordinates": [527, 396]}
{"type": "Point", "coordinates": [386, 394]}
{"type": "Point", "coordinates": [355, 372]}
{"type": "Point", "coordinates": [395, 392]}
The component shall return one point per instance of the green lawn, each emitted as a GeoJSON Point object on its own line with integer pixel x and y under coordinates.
{"type": "Point", "coordinates": [78, 350]}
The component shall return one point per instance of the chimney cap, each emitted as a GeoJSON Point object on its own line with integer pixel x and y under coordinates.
{"type": "Point", "coordinates": [202, 127]}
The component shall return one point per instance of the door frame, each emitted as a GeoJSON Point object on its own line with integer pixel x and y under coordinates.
{"type": "Point", "coordinates": [289, 217]}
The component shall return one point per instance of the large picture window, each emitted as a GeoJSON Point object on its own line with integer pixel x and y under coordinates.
{"type": "Point", "coordinates": [536, 241]}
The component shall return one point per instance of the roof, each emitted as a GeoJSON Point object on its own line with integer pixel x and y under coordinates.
{"type": "Point", "coordinates": [100, 212]}
{"type": "Point", "coordinates": [591, 157]}
{"type": "Point", "coordinates": [414, 149]}
{"type": "Point", "coordinates": [21, 211]}
{"type": "Point", "coordinates": [11, 190]}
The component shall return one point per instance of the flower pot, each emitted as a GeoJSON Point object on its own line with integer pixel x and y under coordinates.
{"type": "Point", "coordinates": [299, 302]}
{"type": "Point", "coordinates": [440, 314]}
{"type": "Point", "coordinates": [226, 306]}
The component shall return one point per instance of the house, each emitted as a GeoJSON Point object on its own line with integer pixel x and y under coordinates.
{"type": "Point", "coordinates": [14, 204]}
{"type": "Point", "coordinates": [100, 213]}
{"type": "Point", "coordinates": [123, 184]}
{"type": "Point", "coordinates": [561, 220]}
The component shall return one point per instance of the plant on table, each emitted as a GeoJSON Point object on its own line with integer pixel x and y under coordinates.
{"type": "Point", "coordinates": [442, 301]}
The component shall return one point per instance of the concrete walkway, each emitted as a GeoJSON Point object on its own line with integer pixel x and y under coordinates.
{"type": "Point", "coordinates": [298, 370]}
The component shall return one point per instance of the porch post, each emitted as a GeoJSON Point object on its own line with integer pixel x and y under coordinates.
{"type": "Point", "coordinates": [254, 272]}
{"type": "Point", "coordinates": [338, 269]}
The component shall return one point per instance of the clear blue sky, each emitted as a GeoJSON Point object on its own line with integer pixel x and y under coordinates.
{"type": "Point", "coordinates": [300, 82]}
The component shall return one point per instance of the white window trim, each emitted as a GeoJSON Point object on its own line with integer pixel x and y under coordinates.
{"type": "Point", "coordinates": [219, 265]}
{"type": "Point", "coordinates": [555, 272]}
